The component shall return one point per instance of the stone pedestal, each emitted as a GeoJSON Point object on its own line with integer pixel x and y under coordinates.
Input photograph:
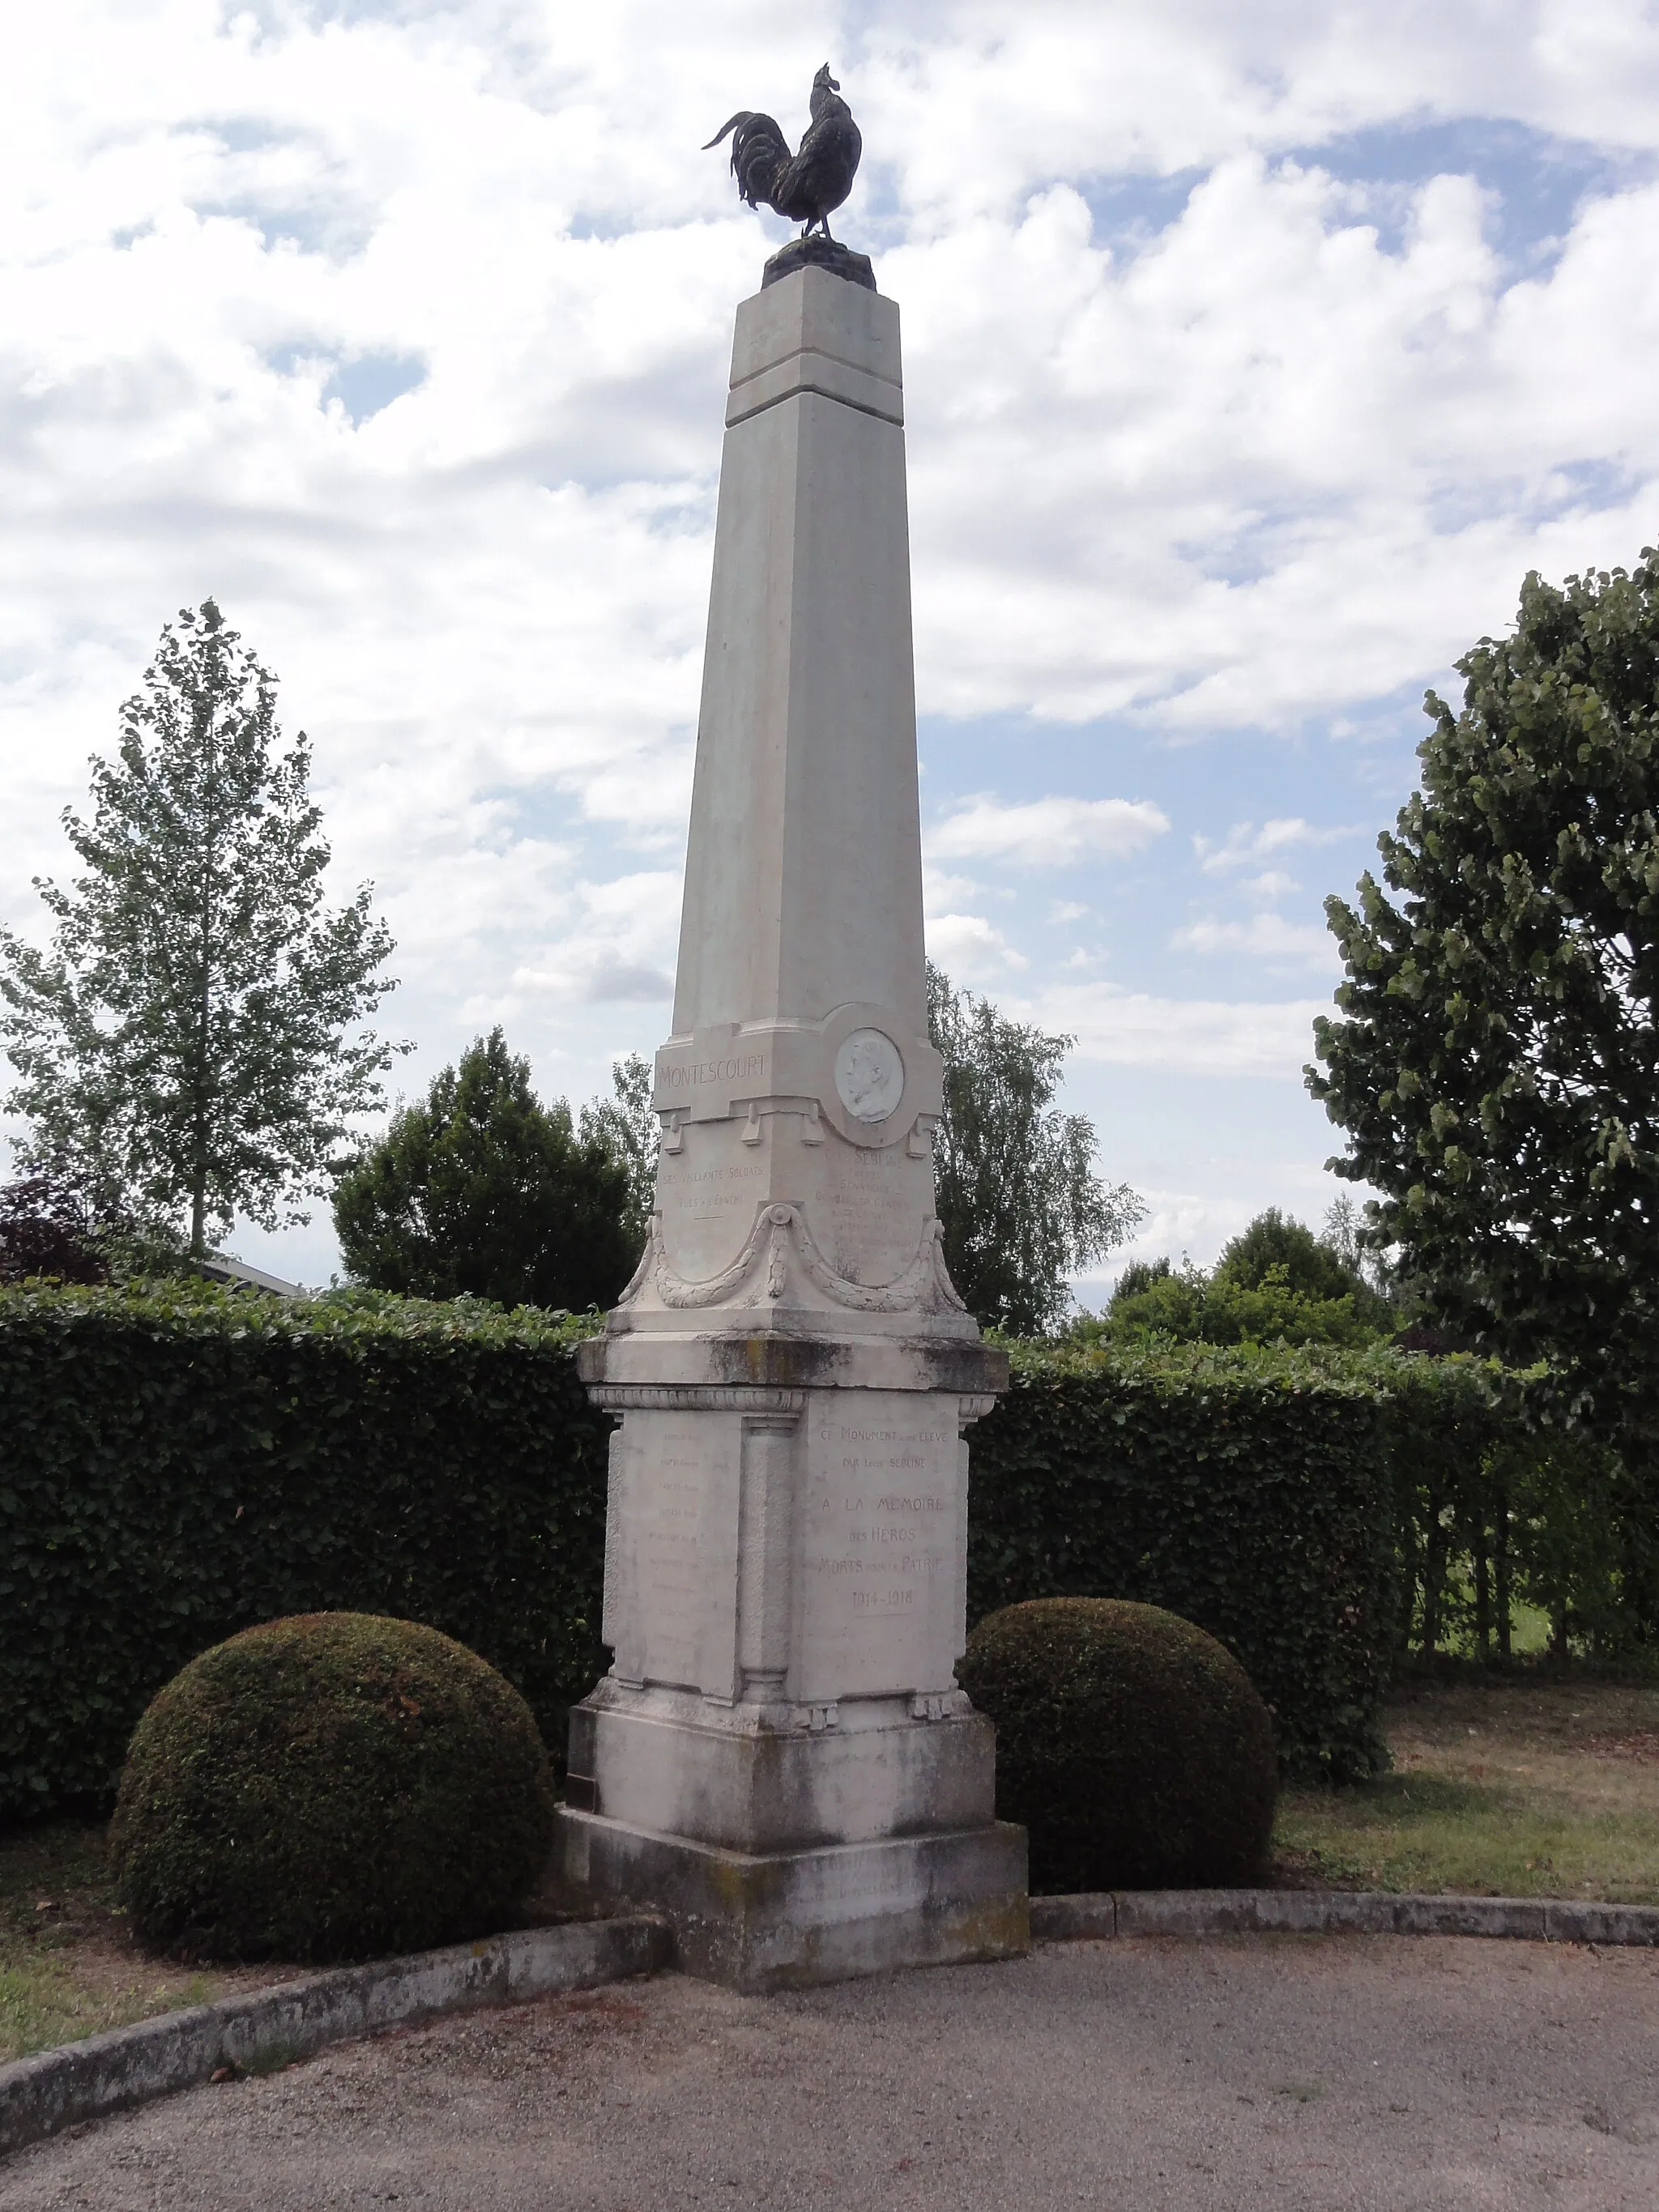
{"type": "Point", "coordinates": [780, 1758]}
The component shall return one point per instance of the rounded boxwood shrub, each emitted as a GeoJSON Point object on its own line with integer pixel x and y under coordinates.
{"type": "Point", "coordinates": [1132, 1747]}
{"type": "Point", "coordinates": [330, 1785]}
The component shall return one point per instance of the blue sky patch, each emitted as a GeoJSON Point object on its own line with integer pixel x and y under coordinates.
{"type": "Point", "coordinates": [1536, 182]}
{"type": "Point", "coordinates": [373, 381]}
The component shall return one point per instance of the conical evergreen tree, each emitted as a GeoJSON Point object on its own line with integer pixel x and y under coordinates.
{"type": "Point", "coordinates": [481, 1190]}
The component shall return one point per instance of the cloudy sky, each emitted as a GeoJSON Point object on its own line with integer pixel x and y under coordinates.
{"type": "Point", "coordinates": [1253, 355]}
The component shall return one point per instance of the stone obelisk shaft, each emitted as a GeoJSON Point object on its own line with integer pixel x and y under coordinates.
{"type": "Point", "coordinates": [802, 884]}
{"type": "Point", "coordinates": [780, 1757]}
{"type": "Point", "coordinates": [799, 1074]}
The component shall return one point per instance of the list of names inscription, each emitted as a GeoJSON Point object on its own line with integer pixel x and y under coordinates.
{"type": "Point", "coordinates": [883, 1516]}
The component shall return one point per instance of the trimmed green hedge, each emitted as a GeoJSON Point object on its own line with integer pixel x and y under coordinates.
{"type": "Point", "coordinates": [1132, 1748]}
{"type": "Point", "coordinates": [179, 1464]}
{"type": "Point", "coordinates": [1247, 1489]}
{"type": "Point", "coordinates": [332, 1784]}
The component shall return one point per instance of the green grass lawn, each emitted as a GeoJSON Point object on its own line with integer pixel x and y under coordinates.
{"type": "Point", "coordinates": [68, 1965]}
{"type": "Point", "coordinates": [1509, 1788]}
{"type": "Point", "coordinates": [1533, 1787]}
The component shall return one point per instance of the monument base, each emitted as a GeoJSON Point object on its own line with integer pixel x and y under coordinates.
{"type": "Point", "coordinates": [817, 251]}
{"type": "Point", "coordinates": [786, 1919]}
{"type": "Point", "coordinates": [752, 1779]}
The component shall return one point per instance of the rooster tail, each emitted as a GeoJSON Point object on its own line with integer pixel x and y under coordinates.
{"type": "Point", "coordinates": [736, 124]}
{"type": "Point", "coordinates": [760, 153]}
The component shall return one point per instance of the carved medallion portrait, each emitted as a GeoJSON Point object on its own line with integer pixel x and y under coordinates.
{"type": "Point", "coordinates": [869, 1075]}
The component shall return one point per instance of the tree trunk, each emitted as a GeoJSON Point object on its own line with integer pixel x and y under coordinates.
{"type": "Point", "coordinates": [1482, 1588]}
{"type": "Point", "coordinates": [203, 1035]}
{"type": "Point", "coordinates": [1501, 1573]}
{"type": "Point", "coordinates": [1434, 1572]}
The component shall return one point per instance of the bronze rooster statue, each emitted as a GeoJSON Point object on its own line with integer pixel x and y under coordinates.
{"type": "Point", "coordinates": [805, 187]}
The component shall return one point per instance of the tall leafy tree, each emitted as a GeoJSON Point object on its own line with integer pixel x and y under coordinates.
{"type": "Point", "coordinates": [189, 1044]}
{"type": "Point", "coordinates": [1344, 1233]}
{"type": "Point", "coordinates": [626, 1124]}
{"type": "Point", "coordinates": [1275, 1281]}
{"type": "Point", "coordinates": [1494, 1062]}
{"type": "Point", "coordinates": [1022, 1206]}
{"type": "Point", "coordinates": [1274, 1245]}
{"type": "Point", "coordinates": [481, 1190]}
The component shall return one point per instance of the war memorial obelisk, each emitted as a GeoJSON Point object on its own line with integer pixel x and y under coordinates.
{"type": "Point", "coordinates": [780, 1758]}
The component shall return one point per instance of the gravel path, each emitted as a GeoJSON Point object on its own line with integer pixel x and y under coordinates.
{"type": "Point", "coordinates": [1399, 2074]}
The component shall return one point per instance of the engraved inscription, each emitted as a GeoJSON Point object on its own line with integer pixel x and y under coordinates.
{"type": "Point", "coordinates": [880, 1549]}
{"type": "Point", "coordinates": [670, 1580]}
{"type": "Point", "coordinates": [861, 1200]}
{"type": "Point", "coordinates": [689, 1075]}
{"type": "Point", "coordinates": [873, 1207]}
{"type": "Point", "coordinates": [706, 1195]}
{"type": "Point", "coordinates": [710, 1194]}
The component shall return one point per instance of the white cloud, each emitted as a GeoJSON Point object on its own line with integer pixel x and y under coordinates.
{"type": "Point", "coordinates": [970, 950]}
{"type": "Point", "coordinates": [1178, 1223]}
{"type": "Point", "coordinates": [1195, 1036]}
{"type": "Point", "coordinates": [1268, 449]}
{"type": "Point", "coordinates": [620, 979]}
{"type": "Point", "coordinates": [615, 944]}
{"type": "Point", "coordinates": [1248, 843]}
{"type": "Point", "coordinates": [1266, 937]}
{"type": "Point", "coordinates": [1272, 883]}
{"type": "Point", "coordinates": [1195, 1224]}
{"type": "Point", "coordinates": [1047, 833]}
{"type": "Point", "coordinates": [1271, 462]}
{"type": "Point", "coordinates": [1200, 474]}
{"type": "Point", "coordinates": [941, 891]}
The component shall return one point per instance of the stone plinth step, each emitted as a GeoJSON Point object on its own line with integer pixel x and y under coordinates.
{"type": "Point", "coordinates": [789, 1919]}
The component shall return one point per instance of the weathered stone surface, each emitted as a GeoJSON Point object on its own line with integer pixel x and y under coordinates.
{"type": "Point", "coordinates": [785, 1552]}
{"type": "Point", "coordinates": [55, 2090]}
{"type": "Point", "coordinates": [786, 1919]}
{"type": "Point", "coordinates": [1471, 1916]}
{"type": "Point", "coordinates": [664, 1760]}
{"type": "Point", "coordinates": [1087, 1916]}
{"type": "Point", "coordinates": [1320, 1911]}
{"type": "Point", "coordinates": [1567, 1921]}
{"type": "Point", "coordinates": [1239, 1911]}
{"type": "Point", "coordinates": [775, 1358]}
{"type": "Point", "coordinates": [799, 1091]}
{"type": "Point", "coordinates": [787, 1549]}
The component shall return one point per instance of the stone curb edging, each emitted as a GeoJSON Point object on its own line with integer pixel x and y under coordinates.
{"type": "Point", "coordinates": [1314, 1912]}
{"type": "Point", "coordinates": [55, 2090]}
